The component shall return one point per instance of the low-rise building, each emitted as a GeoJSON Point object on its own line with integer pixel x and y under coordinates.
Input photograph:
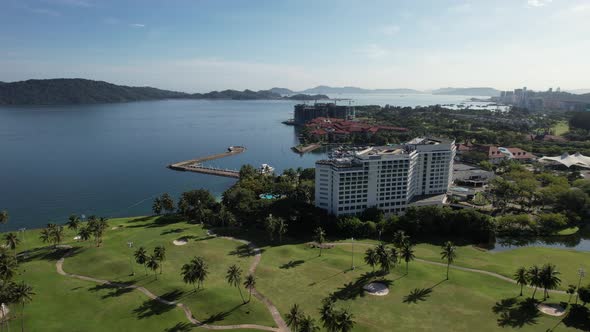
{"type": "Point", "coordinates": [390, 178]}
{"type": "Point", "coordinates": [337, 130]}
{"type": "Point", "coordinates": [467, 175]}
{"type": "Point", "coordinates": [494, 154]}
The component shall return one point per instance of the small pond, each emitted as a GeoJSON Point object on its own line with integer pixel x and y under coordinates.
{"type": "Point", "coordinates": [579, 241]}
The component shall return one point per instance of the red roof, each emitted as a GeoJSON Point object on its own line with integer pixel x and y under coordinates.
{"type": "Point", "coordinates": [344, 127]}
{"type": "Point", "coordinates": [520, 153]}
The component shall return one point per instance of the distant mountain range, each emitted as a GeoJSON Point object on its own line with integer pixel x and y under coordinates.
{"type": "Point", "coordinates": [488, 92]}
{"type": "Point", "coordinates": [81, 91]}
{"type": "Point", "coordinates": [580, 91]}
{"type": "Point", "coordinates": [323, 89]}
{"type": "Point", "coordinates": [355, 90]}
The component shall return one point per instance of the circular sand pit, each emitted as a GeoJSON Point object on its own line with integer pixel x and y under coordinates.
{"type": "Point", "coordinates": [376, 288]}
{"type": "Point", "coordinates": [77, 237]}
{"type": "Point", "coordinates": [180, 242]}
{"type": "Point", "coordinates": [551, 309]}
{"type": "Point", "coordinates": [115, 227]}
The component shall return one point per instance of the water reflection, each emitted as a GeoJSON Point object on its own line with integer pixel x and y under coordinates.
{"type": "Point", "coordinates": [579, 241]}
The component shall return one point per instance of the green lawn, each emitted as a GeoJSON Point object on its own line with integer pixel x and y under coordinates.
{"type": "Point", "coordinates": [567, 261]}
{"type": "Point", "coordinates": [287, 274]}
{"type": "Point", "coordinates": [569, 231]}
{"type": "Point", "coordinates": [217, 304]}
{"type": "Point", "coordinates": [295, 274]}
{"type": "Point", "coordinates": [560, 128]}
{"type": "Point", "coordinates": [66, 304]}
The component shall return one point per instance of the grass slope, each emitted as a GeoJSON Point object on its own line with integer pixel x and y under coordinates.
{"type": "Point", "coordinates": [287, 274]}
{"type": "Point", "coordinates": [60, 299]}
{"type": "Point", "coordinates": [567, 261]}
{"type": "Point", "coordinates": [420, 301]}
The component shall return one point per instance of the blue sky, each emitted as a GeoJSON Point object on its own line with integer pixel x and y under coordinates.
{"type": "Point", "coordinates": [202, 45]}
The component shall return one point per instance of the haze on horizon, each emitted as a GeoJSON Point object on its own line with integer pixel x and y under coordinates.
{"type": "Point", "coordinates": [198, 46]}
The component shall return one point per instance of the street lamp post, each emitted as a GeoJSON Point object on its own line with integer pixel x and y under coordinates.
{"type": "Point", "coordinates": [582, 274]}
{"type": "Point", "coordinates": [130, 245]}
{"type": "Point", "coordinates": [352, 256]}
{"type": "Point", "coordinates": [22, 230]}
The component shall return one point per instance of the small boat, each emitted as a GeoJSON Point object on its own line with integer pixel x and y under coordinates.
{"type": "Point", "coordinates": [266, 169]}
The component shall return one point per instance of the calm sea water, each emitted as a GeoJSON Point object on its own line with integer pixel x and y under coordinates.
{"type": "Point", "coordinates": [110, 159]}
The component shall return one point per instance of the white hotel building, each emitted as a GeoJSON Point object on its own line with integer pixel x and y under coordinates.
{"type": "Point", "coordinates": [417, 173]}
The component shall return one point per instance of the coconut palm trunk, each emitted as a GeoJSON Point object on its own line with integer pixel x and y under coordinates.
{"type": "Point", "coordinates": [242, 296]}
{"type": "Point", "coordinates": [22, 319]}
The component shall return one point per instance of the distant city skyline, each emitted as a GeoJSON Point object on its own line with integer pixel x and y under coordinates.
{"type": "Point", "coordinates": [199, 46]}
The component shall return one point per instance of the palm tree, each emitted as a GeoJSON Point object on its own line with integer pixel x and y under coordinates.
{"type": "Point", "coordinates": [399, 239]}
{"type": "Point", "coordinates": [393, 255]}
{"type": "Point", "coordinates": [12, 241]}
{"type": "Point", "coordinates": [84, 233]}
{"type": "Point", "coordinates": [7, 290]}
{"type": "Point", "coordinates": [448, 253]}
{"type": "Point", "coordinates": [4, 217]}
{"type": "Point", "coordinates": [167, 203]}
{"type": "Point", "coordinates": [234, 278]}
{"type": "Point", "coordinates": [294, 317]}
{"type": "Point", "coordinates": [98, 227]}
{"type": "Point", "coordinates": [534, 276]}
{"type": "Point", "coordinates": [153, 264]}
{"type": "Point", "coordinates": [371, 258]}
{"type": "Point", "coordinates": [45, 235]}
{"type": "Point", "coordinates": [549, 278]}
{"type": "Point", "coordinates": [23, 293]}
{"type": "Point", "coordinates": [73, 222]}
{"type": "Point", "coordinates": [281, 228]}
{"type": "Point", "coordinates": [157, 206]}
{"type": "Point", "coordinates": [249, 283]}
{"type": "Point", "coordinates": [141, 257]}
{"type": "Point", "coordinates": [571, 290]}
{"type": "Point", "coordinates": [320, 237]}
{"type": "Point", "coordinates": [160, 254]}
{"type": "Point", "coordinates": [407, 253]}
{"type": "Point", "coordinates": [308, 324]}
{"type": "Point", "coordinates": [200, 270]}
{"type": "Point", "coordinates": [327, 315]}
{"type": "Point", "coordinates": [345, 321]}
{"type": "Point", "coordinates": [521, 278]}
{"type": "Point", "coordinates": [384, 257]}
{"type": "Point", "coordinates": [8, 266]}
{"type": "Point", "coordinates": [57, 234]}
{"type": "Point", "coordinates": [189, 274]}
{"type": "Point", "coordinates": [271, 226]}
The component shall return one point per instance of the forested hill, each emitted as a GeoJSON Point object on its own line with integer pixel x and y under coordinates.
{"type": "Point", "coordinates": [64, 91]}
{"type": "Point", "coordinates": [77, 91]}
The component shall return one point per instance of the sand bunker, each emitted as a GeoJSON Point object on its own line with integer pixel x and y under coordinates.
{"type": "Point", "coordinates": [180, 242]}
{"type": "Point", "coordinates": [78, 237]}
{"type": "Point", "coordinates": [115, 227]}
{"type": "Point", "coordinates": [376, 288]}
{"type": "Point", "coordinates": [551, 309]}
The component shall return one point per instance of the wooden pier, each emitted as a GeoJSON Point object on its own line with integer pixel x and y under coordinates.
{"type": "Point", "coordinates": [195, 165]}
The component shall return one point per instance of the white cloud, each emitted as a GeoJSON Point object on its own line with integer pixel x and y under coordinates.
{"type": "Point", "coordinates": [461, 8]}
{"type": "Point", "coordinates": [538, 3]}
{"type": "Point", "coordinates": [390, 30]}
{"type": "Point", "coordinates": [111, 20]}
{"type": "Point", "coordinates": [373, 51]}
{"type": "Point", "coordinates": [581, 8]}
{"type": "Point", "coordinates": [74, 3]}
{"type": "Point", "coordinates": [44, 11]}
{"type": "Point", "coordinates": [137, 25]}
